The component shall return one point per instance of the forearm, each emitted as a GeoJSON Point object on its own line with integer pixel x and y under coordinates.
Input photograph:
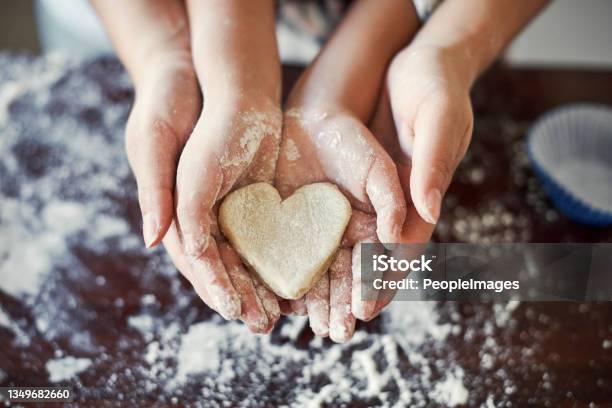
{"type": "Point", "coordinates": [350, 69]}
{"type": "Point", "coordinates": [476, 31]}
{"type": "Point", "coordinates": [143, 31]}
{"type": "Point", "coordinates": [234, 47]}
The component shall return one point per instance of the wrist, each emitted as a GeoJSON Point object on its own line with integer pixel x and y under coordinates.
{"type": "Point", "coordinates": [450, 64]}
{"type": "Point", "coordinates": [350, 69]}
{"type": "Point", "coordinates": [476, 31]}
{"type": "Point", "coordinates": [232, 104]}
{"type": "Point", "coordinates": [173, 62]}
{"type": "Point", "coordinates": [240, 84]}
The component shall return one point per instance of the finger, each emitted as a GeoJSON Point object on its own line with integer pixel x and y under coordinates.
{"type": "Point", "coordinates": [174, 248]}
{"type": "Point", "coordinates": [269, 302]}
{"type": "Point", "coordinates": [154, 140]}
{"type": "Point", "coordinates": [385, 192]}
{"type": "Point", "coordinates": [441, 132]}
{"type": "Point", "coordinates": [298, 306]}
{"type": "Point", "coordinates": [406, 252]}
{"type": "Point", "coordinates": [364, 296]}
{"type": "Point", "coordinates": [341, 320]}
{"type": "Point", "coordinates": [153, 146]}
{"type": "Point", "coordinates": [317, 304]}
{"type": "Point", "coordinates": [361, 226]}
{"type": "Point", "coordinates": [252, 310]}
{"type": "Point", "coordinates": [383, 302]}
{"type": "Point", "coordinates": [199, 181]}
{"type": "Point", "coordinates": [415, 230]}
{"type": "Point", "coordinates": [386, 294]}
{"type": "Point", "coordinates": [210, 270]}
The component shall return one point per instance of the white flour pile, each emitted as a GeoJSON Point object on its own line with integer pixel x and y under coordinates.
{"type": "Point", "coordinates": [65, 368]}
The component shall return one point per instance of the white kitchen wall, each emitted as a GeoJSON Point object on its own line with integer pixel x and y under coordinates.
{"type": "Point", "coordinates": [569, 33]}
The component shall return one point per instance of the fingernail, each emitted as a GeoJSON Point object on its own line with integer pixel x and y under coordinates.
{"type": "Point", "coordinates": [433, 202]}
{"type": "Point", "coordinates": [150, 229]}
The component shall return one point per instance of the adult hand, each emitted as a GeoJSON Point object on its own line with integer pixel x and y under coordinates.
{"type": "Point", "coordinates": [187, 154]}
{"type": "Point", "coordinates": [428, 91]}
{"type": "Point", "coordinates": [424, 122]}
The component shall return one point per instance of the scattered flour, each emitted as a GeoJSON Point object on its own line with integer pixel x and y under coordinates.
{"type": "Point", "coordinates": [5, 320]}
{"type": "Point", "coordinates": [216, 353]}
{"type": "Point", "coordinates": [294, 327]}
{"type": "Point", "coordinates": [21, 338]}
{"type": "Point", "coordinates": [374, 379]}
{"type": "Point", "coordinates": [65, 186]}
{"type": "Point", "coordinates": [451, 391]}
{"type": "Point", "coordinates": [292, 152]}
{"type": "Point", "coordinates": [144, 324]}
{"type": "Point", "coordinates": [65, 368]}
{"type": "Point", "coordinates": [199, 350]}
{"type": "Point", "coordinates": [504, 312]}
{"type": "Point", "coordinates": [45, 204]}
{"type": "Point", "coordinates": [20, 249]}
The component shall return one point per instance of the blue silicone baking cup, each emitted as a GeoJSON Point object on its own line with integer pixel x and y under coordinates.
{"type": "Point", "coordinates": [570, 150]}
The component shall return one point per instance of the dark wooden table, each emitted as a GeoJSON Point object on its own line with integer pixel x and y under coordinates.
{"type": "Point", "coordinates": [97, 278]}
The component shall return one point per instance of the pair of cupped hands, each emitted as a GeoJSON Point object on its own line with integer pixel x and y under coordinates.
{"type": "Point", "coordinates": [389, 133]}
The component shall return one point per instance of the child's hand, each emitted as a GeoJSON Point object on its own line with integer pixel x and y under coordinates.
{"type": "Point", "coordinates": [325, 137]}
{"type": "Point", "coordinates": [333, 145]}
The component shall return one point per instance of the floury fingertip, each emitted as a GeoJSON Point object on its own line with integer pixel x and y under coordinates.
{"type": "Point", "coordinates": [227, 305]}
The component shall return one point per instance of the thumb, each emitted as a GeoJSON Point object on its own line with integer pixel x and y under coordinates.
{"type": "Point", "coordinates": [152, 150]}
{"type": "Point", "coordinates": [441, 136]}
{"type": "Point", "coordinates": [166, 106]}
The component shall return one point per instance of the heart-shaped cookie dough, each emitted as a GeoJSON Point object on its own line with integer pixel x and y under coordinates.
{"type": "Point", "coordinates": [288, 243]}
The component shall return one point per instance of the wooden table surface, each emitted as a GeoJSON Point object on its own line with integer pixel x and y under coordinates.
{"type": "Point", "coordinates": [547, 354]}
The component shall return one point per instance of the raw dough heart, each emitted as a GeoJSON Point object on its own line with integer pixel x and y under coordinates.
{"type": "Point", "coordinates": [289, 243]}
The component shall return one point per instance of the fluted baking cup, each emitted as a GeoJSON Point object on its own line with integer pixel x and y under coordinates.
{"type": "Point", "coordinates": [570, 149]}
